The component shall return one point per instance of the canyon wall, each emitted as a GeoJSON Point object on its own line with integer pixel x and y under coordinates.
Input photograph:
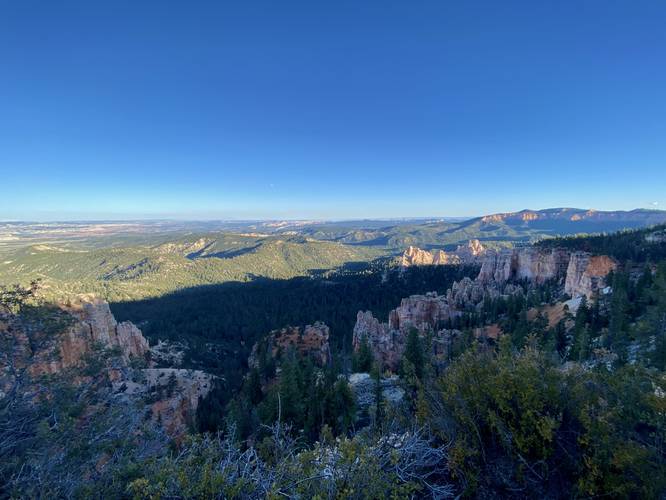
{"type": "Point", "coordinates": [73, 333]}
{"type": "Point", "coordinates": [581, 272]}
{"type": "Point", "coordinates": [586, 274]}
{"type": "Point", "coordinates": [503, 273]}
{"type": "Point", "coordinates": [91, 326]}
{"type": "Point", "coordinates": [531, 263]}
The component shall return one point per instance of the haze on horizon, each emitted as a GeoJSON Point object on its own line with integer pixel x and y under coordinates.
{"type": "Point", "coordinates": [302, 110]}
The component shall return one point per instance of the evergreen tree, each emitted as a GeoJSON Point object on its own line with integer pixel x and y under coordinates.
{"type": "Point", "coordinates": [561, 341]}
{"type": "Point", "coordinates": [521, 330]}
{"type": "Point", "coordinates": [290, 394]}
{"type": "Point", "coordinates": [363, 359]}
{"type": "Point", "coordinates": [344, 406]}
{"type": "Point", "coordinates": [657, 317]}
{"type": "Point", "coordinates": [619, 313]}
{"type": "Point", "coordinates": [581, 336]}
{"type": "Point", "coordinates": [254, 391]}
{"type": "Point", "coordinates": [414, 352]}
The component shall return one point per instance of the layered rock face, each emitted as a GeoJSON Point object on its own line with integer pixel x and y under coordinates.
{"type": "Point", "coordinates": [470, 252]}
{"type": "Point", "coordinates": [311, 341]}
{"type": "Point", "coordinates": [415, 256]}
{"type": "Point", "coordinates": [465, 292]}
{"type": "Point", "coordinates": [586, 274]}
{"type": "Point", "coordinates": [87, 325]}
{"type": "Point", "coordinates": [532, 264]}
{"type": "Point", "coordinates": [94, 326]}
{"type": "Point", "coordinates": [581, 273]}
{"type": "Point", "coordinates": [425, 313]}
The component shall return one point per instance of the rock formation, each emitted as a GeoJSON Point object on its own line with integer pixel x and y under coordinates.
{"type": "Point", "coordinates": [415, 256]}
{"type": "Point", "coordinates": [465, 293]}
{"type": "Point", "coordinates": [632, 218]}
{"type": "Point", "coordinates": [83, 328]}
{"type": "Point", "coordinates": [504, 273]}
{"type": "Point", "coordinates": [586, 274]}
{"type": "Point", "coordinates": [363, 387]}
{"type": "Point", "coordinates": [582, 273]}
{"type": "Point", "coordinates": [173, 394]}
{"type": "Point", "coordinates": [530, 263]}
{"type": "Point", "coordinates": [472, 251]}
{"type": "Point", "coordinates": [310, 341]}
{"type": "Point", "coordinates": [425, 313]}
{"type": "Point", "coordinates": [92, 326]}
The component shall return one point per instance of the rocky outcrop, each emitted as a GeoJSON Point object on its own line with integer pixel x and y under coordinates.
{"type": "Point", "coordinates": [91, 326]}
{"type": "Point", "coordinates": [415, 256]}
{"type": "Point", "coordinates": [502, 274]}
{"type": "Point", "coordinates": [582, 273]}
{"type": "Point", "coordinates": [471, 251]}
{"type": "Point", "coordinates": [586, 274]}
{"type": "Point", "coordinates": [80, 330]}
{"type": "Point", "coordinates": [425, 313]}
{"type": "Point", "coordinates": [311, 341]}
{"type": "Point", "coordinates": [363, 387]}
{"type": "Point", "coordinates": [172, 394]}
{"type": "Point", "coordinates": [387, 345]}
{"type": "Point", "coordinates": [466, 293]}
{"type": "Point", "coordinates": [531, 263]}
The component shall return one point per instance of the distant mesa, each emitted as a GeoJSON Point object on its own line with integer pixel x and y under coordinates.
{"type": "Point", "coordinates": [638, 216]}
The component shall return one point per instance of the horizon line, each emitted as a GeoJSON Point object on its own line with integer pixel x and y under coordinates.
{"type": "Point", "coordinates": [302, 219]}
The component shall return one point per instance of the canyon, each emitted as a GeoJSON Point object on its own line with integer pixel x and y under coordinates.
{"type": "Point", "coordinates": [502, 273]}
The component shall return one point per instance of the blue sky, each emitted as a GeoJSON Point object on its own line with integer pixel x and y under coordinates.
{"type": "Point", "coordinates": [345, 109]}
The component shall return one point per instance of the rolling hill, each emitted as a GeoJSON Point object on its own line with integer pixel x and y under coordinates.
{"type": "Point", "coordinates": [127, 260]}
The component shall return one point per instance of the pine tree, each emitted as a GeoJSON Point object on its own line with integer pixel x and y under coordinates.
{"type": "Point", "coordinates": [658, 317]}
{"type": "Point", "coordinates": [414, 352]}
{"type": "Point", "coordinates": [291, 400]}
{"type": "Point", "coordinates": [581, 336]}
{"type": "Point", "coordinates": [619, 313]}
{"type": "Point", "coordinates": [254, 391]}
{"type": "Point", "coordinates": [363, 359]}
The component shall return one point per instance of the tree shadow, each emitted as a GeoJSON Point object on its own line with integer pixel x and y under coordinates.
{"type": "Point", "coordinates": [220, 323]}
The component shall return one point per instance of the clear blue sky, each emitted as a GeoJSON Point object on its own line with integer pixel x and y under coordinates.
{"type": "Point", "coordinates": [247, 109]}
